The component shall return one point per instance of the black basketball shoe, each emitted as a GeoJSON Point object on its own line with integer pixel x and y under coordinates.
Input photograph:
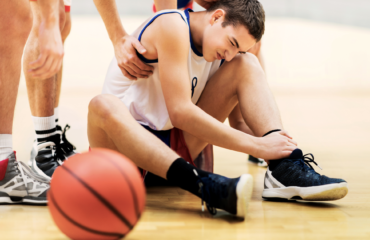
{"type": "Point", "coordinates": [47, 156]}
{"type": "Point", "coordinates": [294, 178]}
{"type": "Point", "coordinates": [230, 194]}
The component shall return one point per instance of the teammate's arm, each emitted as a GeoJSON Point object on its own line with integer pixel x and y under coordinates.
{"type": "Point", "coordinates": [125, 46]}
{"type": "Point", "coordinates": [173, 49]}
{"type": "Point", "coordinates": [165, 4]}
{"type": "Point", "coordinates": [205, 3]}
{"type": "Point", "coordinates": [50, 41]}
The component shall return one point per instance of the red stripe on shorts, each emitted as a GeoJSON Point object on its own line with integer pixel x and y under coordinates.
{"type": "Point", "coordinates": [178, 144]}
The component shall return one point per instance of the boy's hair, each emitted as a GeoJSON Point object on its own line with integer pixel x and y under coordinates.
{"type": "Point", "coordinates": [248, 13]}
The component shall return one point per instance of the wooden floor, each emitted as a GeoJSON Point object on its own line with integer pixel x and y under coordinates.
{"type": "Point", "coordinates": [332, 123]}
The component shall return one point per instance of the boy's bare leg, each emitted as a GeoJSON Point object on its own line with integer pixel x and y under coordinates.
{"type": "Point", "coordinates": [242, 81]}
{"type": "Point", "coordinates": [65, 33]}
{"type": "Point", "coordinates": [15, 25]}
{"type": "Point", "coordinates": [41, 92]}
{"type": "Point", "coordinates": [110, 125]}
{"type": "Point", "coordinates": [236, 121]}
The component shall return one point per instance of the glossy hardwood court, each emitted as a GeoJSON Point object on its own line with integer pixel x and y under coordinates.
{"type": "Point", "coordinates": [331, 122]}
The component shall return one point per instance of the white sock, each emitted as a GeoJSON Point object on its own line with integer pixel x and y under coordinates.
{"type": "Point", "coordinates": [44, 127]}
{"type": "Point", "coordinates": [56, 115]}
{"type": "Point", "coordinates": [6, 146]}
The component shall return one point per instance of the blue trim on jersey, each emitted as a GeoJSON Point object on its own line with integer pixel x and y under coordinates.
{"type": "Point", "coordinates": [142, 31]}
{"type": "Point", "coordinates": [222, 61]}
{"type": "Point", "coordinates": [191, 40]}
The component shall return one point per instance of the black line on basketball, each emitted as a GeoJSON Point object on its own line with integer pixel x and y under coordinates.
{"type": "Point", "coordinates": [102, 199]}
{"type": "Point", "coordinates": [132, 190]}
{"type": "Point", "coordinates": [118, 235]}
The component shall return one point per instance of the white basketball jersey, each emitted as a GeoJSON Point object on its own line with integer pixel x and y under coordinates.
{"type": "Point", "coordinates": [144, 97]}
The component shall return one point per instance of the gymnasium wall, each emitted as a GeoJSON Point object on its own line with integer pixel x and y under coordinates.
{"type": "Point", "coordinates": [350, 12]}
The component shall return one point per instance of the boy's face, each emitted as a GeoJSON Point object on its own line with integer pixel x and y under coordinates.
{"type": "Point", "coordinates": [225, 42]}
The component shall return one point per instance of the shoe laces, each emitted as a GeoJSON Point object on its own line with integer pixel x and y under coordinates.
{"type": "Point", "coordinates": [306, 160]}
{"type": "Point", "coordinates": [26, 172]}
{"type": "Point", "coordinates": [207, 189]}
{"type": "Point", "coordinates": [66, 145]}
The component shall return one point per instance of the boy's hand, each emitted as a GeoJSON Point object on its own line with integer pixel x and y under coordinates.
{"type": "Point", "coordinates": [276, 145]}
{"type": "Point", "coordinates": [128, 61]}
{"type": "Point", "coordinates": [51, 55]}
{"type": "Point", "coordinates": [205, 3]}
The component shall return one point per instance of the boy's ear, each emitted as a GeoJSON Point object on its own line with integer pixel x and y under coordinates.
{"type": "Point", "coordinates": [217, 16]}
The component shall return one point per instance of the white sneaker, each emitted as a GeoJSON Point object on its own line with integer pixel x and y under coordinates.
{"type": "Point", "coordinates": [19, 184]}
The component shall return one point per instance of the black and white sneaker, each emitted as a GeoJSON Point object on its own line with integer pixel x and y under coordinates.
{"type": "Point", "coordinates": [47, 156]}
{"type": "Point", "coordinates": [19, 184]}
{"type": "Point", "coordinates": [294, 178]}
{"type": "Point", "coordinates": [259, 161]}
{"type": "Point", "coordinates": [230, 194]}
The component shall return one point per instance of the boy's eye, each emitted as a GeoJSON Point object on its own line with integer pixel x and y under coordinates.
{"type": "Point", "coordinates": [232, 43]}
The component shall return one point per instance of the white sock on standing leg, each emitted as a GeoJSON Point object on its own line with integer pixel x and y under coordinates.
{"type": "Point", "coordinates": [56, 115]}
{"type": "Point", "coordinates": [44, 127]}
{"type": "Point", "coordinates": [6, 145]}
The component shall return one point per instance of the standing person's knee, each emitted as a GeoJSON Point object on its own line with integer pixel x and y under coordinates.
{"type": "Point", "coordinates": [62, 17]}
{"type": "Point", "coordinates": [67, 26]}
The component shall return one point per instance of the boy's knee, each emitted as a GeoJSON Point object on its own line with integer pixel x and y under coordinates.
{"type": "Point", "coordinates": [247, 60]}
{"type": "Point", "coordinates": [102, 106]}
{"type": "Point", "coordinates": [248, 63]}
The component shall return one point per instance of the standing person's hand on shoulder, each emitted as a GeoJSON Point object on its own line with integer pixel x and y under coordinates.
{"type": "Point", "coordinates": [131, 66]}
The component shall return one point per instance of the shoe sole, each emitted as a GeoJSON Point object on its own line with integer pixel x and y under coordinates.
{"type": "Point", "coordinates": [24, 200]}
{"type": "Point", "coordinates": [244, 194]}
{"type": "Point", "coordinates": [327, 192]}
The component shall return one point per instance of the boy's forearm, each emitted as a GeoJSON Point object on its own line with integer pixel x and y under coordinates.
{"type": "Point", "coordinates": [195, 121]}
{"type": "Point", "coordinates": [109, 13]}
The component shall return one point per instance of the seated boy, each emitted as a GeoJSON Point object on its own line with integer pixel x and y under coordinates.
{"type": "Point", "coordinates": [188, 97]}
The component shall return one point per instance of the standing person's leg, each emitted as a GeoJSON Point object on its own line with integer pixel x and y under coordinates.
{"type": "Point", "coordinates": [242, 81]}
{"type": "Point", "coordinates": [41, 94]}
{"type": "Point", "coordinates": [67, 148]}
{"type": "Point", "coordinates": [15, 25]}
{"type": "Point", "coordinates": [110, 125]}
{"type": "Point", "coordinates": [65, 33]}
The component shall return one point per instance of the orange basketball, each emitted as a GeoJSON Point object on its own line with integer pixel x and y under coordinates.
{"type": "Point", "coordinates": [96, 195]}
